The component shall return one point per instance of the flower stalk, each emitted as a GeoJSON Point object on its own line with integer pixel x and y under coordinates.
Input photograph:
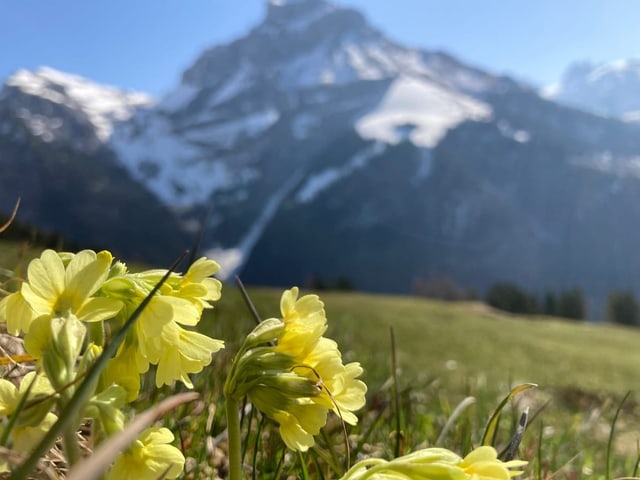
{"type": "Point", "coordinates": [235, 438]}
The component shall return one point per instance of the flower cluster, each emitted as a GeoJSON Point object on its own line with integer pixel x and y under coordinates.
{"type": "Point", "coordinates": [148, 457]}
{"type": "Point", "coordinates": [32, 423]}
{"type": "Point", "coordinates": [68, 309]}
{"type": "Point", "coordinates": [158, 337]}
{"type": "Point", "coordinates": [430, 463]}
{"type": "Point", "coordinates": [295, 375]}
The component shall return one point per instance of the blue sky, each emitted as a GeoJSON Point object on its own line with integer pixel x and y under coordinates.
{"type": "Point", "coordinates": [145, 44]}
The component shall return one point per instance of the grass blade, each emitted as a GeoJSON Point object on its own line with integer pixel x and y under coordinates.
{"type": "Point", "coordinates": [247, 300]}
{"type": "Point", "coordinates": [396, 394]}
{"type": "Point", "coordinates": [611, 433]}
{"type": "Point", "coordinates": [94, 466]}
{"type": "Point", "coordinates": [11, 217]}
{"type": "Point", "coordinates": [490, 432]}
{"type": "Point", "coordinates": [460, 408]}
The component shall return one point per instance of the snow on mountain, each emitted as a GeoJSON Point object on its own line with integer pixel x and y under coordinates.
{"type": "Point", "coordinates": [102, 105]}
{"type": "Point", "coordinates": [421, 111]}
{"type": "Point", "coordinates": [232, 259]}
{"type": "Point", "coordinates": [322, 180]}
{"type": "Point", "coordinates": [505, 128]}
{"type": "Point", "coordinates": [606, 161]}
{"type": "Point", "coordinates": [172, 167]}
{"type": "Point", "coordinates": [611, 89]}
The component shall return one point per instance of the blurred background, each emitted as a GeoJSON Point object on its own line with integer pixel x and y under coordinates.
{"type": "Point", "coordinates": [456, 150]}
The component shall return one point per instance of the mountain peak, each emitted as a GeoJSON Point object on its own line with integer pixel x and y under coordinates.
{"type": "Point", "coordinates": [101, 104]}
{"type": "Point", "coordinates": [296, 16]}
{"type": "Point", "coordinates": [608, 88]}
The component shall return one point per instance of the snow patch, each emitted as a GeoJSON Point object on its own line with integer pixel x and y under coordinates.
{"type": "Point", "coordinates": [227, 134]}
{"type": "Point", "coordinates": [606, 161]}
{"type": "Point", "coordinates": [349, 62]}
{"type": "Point", "coordinates": [232, 259]}
{"type": "Point", "coordinates": [632, 116]}
{"type": "Point", "coordinates": [175, 171]}
{"type": "Point", "coordinates": [325, 178]}
{"type": "Point", "coordinates": [103, 105]}
{"type": "Point", "coordinates": [234, 85]}
{"type": "Point", "coordinates": [40, 125]}
{"type": "Point", "coordinates": [506, 130]}
{"type": "Point", "coordinates": [424, 166]}
{"type": "Point", "coordinates": [429, 108]}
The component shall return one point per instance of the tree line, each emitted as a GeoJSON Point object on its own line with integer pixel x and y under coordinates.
{"type": "Point", "coordinates": [569, 303]}
{"type": "Point", "coordinates": [622, 306]}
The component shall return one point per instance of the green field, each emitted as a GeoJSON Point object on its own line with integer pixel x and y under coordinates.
{"type": "Point", "coordinates": [447, 351]}
{"type": "Point", "coordinates": [469, 338]}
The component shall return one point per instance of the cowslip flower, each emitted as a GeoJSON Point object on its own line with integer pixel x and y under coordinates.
{"type": "Point", "coordinates": [318, 358]}
{"type": "Point", "coordinates": [33, 423]}
{"type": "Point", "coordinates": [158, 337]}
{"type": "Point", "coordinates": [431, 463]}
{"type": "Point", "coordinates": [298, 376]}
{"type": "Point", "coordinates": [149, 458]}
{"type": "Point", "coordinates": [57, 290]}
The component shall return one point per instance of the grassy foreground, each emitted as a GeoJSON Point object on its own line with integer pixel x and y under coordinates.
{"type": "Point", "coordinates": [449, 351]}
{"type": "Point", "coordinates": [449, 354]}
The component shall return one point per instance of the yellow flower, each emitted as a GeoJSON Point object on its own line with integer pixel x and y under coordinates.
{"type": "Point", "coordinates": [299, 424]}
{"type": "Point", "coordinates": [305, 322]}
{"type": "Point", "coordinates": [285, 397]}
{"type": "Point", "coordinates": [181, 352]}
{"type": "Point", "coordinates": [300, 378]}
{"type": "Point", "coordinates": [157, 335]}
{"type": "Point", "coordinates": [483, 464]}
{"type": "Point", "coordinates": [342, 391]}
{"type": "Point", "coordinates": [196, 286]}
{"type": "Point", "coordinates": [318, 358]}
{"type": "Point", "coordinates": [437, 464]}
{"type": "Point", "coordinates": [149, 458]}
{"type": "Point", "coordinates": [124, 369]}
{"type": "Point", "coordinates": [32, 423]}
{"type": "Point", "coordinates": [55, 290]}
{"type": "Point", "coordinates": [16, 313]}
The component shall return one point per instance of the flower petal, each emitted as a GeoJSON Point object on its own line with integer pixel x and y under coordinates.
{"type": "Point", "coordinates": [46, 275]}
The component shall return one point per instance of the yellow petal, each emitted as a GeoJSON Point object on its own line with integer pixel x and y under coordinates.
{"type": "Point", "coordinates": [46, 275]}
{"type": "Point", "coordinates": [293, 435]}
{"type": "Point", "coordinates": [86, 273]}
{"type": "Point", "coordinates": [16, 312]}
{"type": "Point", "coordinates": [98, 309]}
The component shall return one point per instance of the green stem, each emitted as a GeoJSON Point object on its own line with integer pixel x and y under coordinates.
{"type": "Point", "coordinates": [69, 439]}
{"type": "Point", "coordinates": [233, 429]}
{"type": "Point", "coordinates": [71, 448]}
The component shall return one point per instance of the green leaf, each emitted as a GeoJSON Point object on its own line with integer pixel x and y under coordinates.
{"type": "Point", "coordinates": [489, 436]}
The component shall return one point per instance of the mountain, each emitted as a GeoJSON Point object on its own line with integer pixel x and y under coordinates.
{"type": "Point", "coordinates": [611, 89]}
{"type": "Point", "coordinates": [324, 150]}
{"type": "Point", "coordinates": [54, 130]}
{"type": "Point", "coordinates": [249, 122]}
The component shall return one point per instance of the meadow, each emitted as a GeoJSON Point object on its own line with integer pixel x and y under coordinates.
{"type": "Point", "coordinates": [447, 352]}
{"type": "Point", "coordinates": [454, 363]}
